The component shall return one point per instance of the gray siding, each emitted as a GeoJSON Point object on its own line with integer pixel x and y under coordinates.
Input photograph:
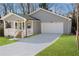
{"type": "Point", "coordinates": [45, 16]}
{"type": "Point", "coordinates": [67, 27]}
{"type": "Point", "coordinates": [48, 17]}
{"type": "Point", "coordinates": [36, 27]}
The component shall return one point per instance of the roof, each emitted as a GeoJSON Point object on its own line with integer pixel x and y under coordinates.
{"type": "Point", "coordinates": [20, 16]}
{"type": "Point", "coordinates": [28, 17]}
{"type": "Point", "coordinates": [44, 15]}
{"type": "Point", "coordinates": [43, 10]}
{"type": "Point", "coordinates": [12, 16]}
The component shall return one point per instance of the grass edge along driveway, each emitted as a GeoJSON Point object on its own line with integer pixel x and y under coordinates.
{"type": "Point", "coordinates": [64, 46]}
{"type": "Point", "coordinates": [5, 41]}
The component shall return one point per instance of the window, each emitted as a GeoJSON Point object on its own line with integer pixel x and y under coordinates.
{"type": "Point", "coordinates": [23, 25]}
{"type": "Point", "coordinates": [8, 24]}
{"type": "Point", "coordinates": [28, 25]}
{"type": "Point", "coordinates": [20, 26]}
{"type": "Point", "coordinates": [16, 25]}
{"type": "Point", "coordinates": [1, 21]}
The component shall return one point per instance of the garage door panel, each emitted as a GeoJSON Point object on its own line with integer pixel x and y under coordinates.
{"type": "Point", "coordinates": [52, 27]}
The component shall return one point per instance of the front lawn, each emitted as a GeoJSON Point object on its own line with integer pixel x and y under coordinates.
{"type": "Point", "coordinates": [4, 41]}
{"type": "Point", "coordinates": [65, 46]}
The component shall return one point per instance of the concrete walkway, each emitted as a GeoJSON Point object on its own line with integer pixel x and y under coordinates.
{"type": "Point", "coordinates": [28, 46]}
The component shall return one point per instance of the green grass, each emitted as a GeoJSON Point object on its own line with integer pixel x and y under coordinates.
{"type": "Point", "coordinates": [5, 41]}
{"type": "Point", "coordinates": [65, 46]}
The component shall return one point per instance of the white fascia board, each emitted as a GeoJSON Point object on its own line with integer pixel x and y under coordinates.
{"type": "Point", "coordinates": [35, 11]}
{"type": "Point", "coordinates": [4, 17]}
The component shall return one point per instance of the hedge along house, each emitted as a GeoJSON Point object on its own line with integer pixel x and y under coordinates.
{"type": "Point", "coordinates": [20, 25]}
{"type": "Point", "coordinates": [1, 28]}
{"type": "Point", "coordinates": [52, 22]}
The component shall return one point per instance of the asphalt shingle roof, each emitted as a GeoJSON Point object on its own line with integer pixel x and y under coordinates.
{"type": "Point", "coordinates": [28, 17]}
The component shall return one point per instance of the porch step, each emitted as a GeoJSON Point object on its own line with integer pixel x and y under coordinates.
{"type": "Point", "coordinates": [19, 34]}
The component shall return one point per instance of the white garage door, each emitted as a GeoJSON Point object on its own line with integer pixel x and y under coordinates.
{"type": "Point", "coordinates": [52, 27]}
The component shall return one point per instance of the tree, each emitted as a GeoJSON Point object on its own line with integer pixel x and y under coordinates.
{"type": "Point", "coordinates": [73, 17]}
{"type": "Point", "coordinates": [74, 23]}
{"type": "Point", "coordinates": [10, 7]}
{"type": "Point", "coordinates": [23, 8]}
{"type": "Point", "coordinates": [43, 5]}
{"type": "Point", "coordinates": [28, 8]}
{"type": "Point", "coordinates": [5, 8]}
{"type": "Point", "coordinates": [77, 17]}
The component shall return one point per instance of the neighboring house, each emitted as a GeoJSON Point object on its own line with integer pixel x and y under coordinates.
{"type": "Point", "coordinates": [39, 21]}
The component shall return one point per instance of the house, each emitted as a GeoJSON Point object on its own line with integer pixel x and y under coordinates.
{"type": "Point", "coordinates": [20, 25]}
{"type": "Point", "coordinates": [52, 22]}
{"type": "Point", "coordinates": [39, 21]}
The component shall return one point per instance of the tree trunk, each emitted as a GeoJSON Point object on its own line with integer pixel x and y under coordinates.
{"type": "Point", "coordinates": [23, 8]}
{"type": "Point", "coordinates": [77, 17]}
{"type": "Point", "coordinates": [28, 7]}
{"type": "Point", "coordinates": [5, 9]}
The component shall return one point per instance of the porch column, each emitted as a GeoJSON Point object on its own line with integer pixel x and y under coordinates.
{"type": "Point", "coordinates": [18, 25]}
{"type": "Point", "coordinates": [14, 29]}
{"type": "Point", "coordinates": [4, 25]}
{"type": "Point", "coordinates": [22, 28]}
{"type": "Point", "coordinates": [14, 24]}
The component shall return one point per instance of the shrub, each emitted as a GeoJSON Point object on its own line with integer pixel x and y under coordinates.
{"type": "Point", "coordinates": [1, 32]}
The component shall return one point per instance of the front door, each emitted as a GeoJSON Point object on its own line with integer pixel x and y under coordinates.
{"type": "Point", "coordinates": [29, 29]}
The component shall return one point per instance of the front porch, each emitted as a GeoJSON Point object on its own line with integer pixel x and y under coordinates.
{"type": "Point", "coordinates": [20, 26]}
{"type": "Point", "coordinates": [15, 29]}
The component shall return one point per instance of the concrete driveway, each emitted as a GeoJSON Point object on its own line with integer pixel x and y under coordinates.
{"type": "Point", "coordinates": [28, 46]}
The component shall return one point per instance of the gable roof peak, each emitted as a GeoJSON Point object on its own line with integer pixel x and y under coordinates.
{"type": "Point", "coordinates": [41, 9]}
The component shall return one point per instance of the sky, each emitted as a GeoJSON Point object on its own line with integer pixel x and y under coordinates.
{"type": "Point", "coordinates": [61, 8]}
